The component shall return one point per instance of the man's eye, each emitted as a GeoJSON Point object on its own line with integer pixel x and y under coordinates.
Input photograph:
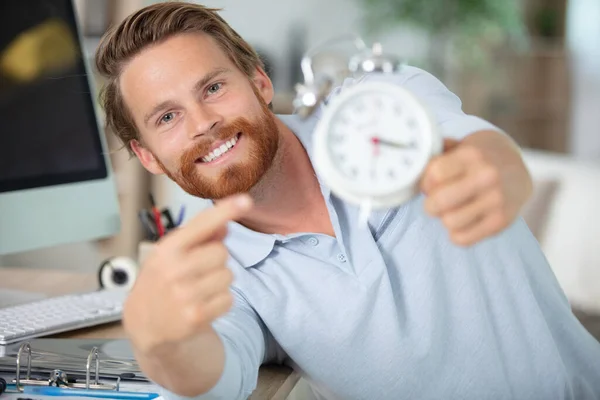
{"type": "Point", "coordinates": [168, 117]}
{"type": "Point", "coordinates": [214, 88]}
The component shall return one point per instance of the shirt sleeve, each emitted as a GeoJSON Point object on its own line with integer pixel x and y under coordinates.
{"type": "Point", "coordinates": [244, 336]}
{"type": "Point", "coordinates": [442, 104]}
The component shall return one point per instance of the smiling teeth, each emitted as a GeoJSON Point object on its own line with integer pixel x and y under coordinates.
{"type": "Point", "coordinates": [219, 151]}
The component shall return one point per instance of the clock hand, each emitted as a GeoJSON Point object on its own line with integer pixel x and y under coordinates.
{"type": "Point", "coordinates": [390, 143]}
{"type": "Point", "coordinates": [375, 142]}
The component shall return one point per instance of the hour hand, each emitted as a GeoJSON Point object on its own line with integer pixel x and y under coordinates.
{"type": "Point", "coordinates": [390, 143]}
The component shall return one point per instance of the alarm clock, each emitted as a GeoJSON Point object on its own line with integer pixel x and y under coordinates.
{"type": "Point", "coordinates": [374, 139]}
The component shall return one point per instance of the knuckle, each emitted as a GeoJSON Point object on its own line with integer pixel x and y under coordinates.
{"type": "Point", "coordinates": [490, 175]}
{"type": "Point", "coordinates": [222, 252]}
{"type": "Point", "coordinates": [498, 220]}
{"type": "Point", "coordinates": [228, 276]}
{"type": "Point", "coordinates": [450, 220]}
{"type": "Point", "coordinates": [472, 153]}
{"type": "Point", "coordinates": [195, 315]}
{"type": "Point", "coordinates": [459, 239]}
{"type": "Point", "coordinates": [436, 170]}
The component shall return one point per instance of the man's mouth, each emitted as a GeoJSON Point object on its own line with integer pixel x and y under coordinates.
{"type": "Point", "coordinates": [221, 150]}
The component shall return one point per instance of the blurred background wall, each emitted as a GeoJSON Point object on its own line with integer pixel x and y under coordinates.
{"type": "Point", "coordinates": [530, 66]}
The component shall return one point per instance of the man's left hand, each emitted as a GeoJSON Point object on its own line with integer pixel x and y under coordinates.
{"type": "Point", "coordinates": [477, 187]}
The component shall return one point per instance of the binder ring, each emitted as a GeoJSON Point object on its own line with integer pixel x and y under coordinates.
{"type": "Point", "coordinates": [93, 354]}
{"type": "Point", "coordinates": [58, 377]}
{"type": "Point", "coordinates": [25, 347]}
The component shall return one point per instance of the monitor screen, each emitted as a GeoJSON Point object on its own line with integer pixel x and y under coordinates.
{"type": "Point", "coordinates": [48, 130]}
{"type": "Point", "coordinates": [56, 182]}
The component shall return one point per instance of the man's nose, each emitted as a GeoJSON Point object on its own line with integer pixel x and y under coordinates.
{"type": "Point", "coordinates": [203, 121]}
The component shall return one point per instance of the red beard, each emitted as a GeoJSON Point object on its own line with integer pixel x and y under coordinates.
{"type": "Point", "coordinates": [262, 141]}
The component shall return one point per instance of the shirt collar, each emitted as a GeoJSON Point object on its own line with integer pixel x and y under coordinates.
{"type": "Point", "coordinates": [246, 246]}
{"type": "Point", "coordinates": [249, 247]}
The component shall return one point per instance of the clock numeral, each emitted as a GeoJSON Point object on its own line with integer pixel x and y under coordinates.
{"type": "Point", "coordinates": [412, 124]}
{"type": "Point", "coordinates": [391, 173]}
{"type": "Point", "coordinates": [353, 172]}
{"type": "Point", "coordinates": [406, 161]}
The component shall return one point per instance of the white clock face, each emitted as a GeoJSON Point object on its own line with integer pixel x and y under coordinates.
{"type": "Point", "coordinates": [378, 141]}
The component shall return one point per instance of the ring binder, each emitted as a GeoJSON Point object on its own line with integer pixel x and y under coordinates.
{"type": "Point", "coordinates": [59, 378]}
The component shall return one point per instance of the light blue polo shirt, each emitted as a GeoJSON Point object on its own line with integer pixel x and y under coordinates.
{"type": "Point", "coordinates": [396, 311]}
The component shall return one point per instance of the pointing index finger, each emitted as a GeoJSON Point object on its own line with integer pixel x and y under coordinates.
{"type": "Point", "coordinates": [207, 223]}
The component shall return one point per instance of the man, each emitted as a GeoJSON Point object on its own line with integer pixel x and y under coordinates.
{"type": "Point", "coordinates": [454, 303]}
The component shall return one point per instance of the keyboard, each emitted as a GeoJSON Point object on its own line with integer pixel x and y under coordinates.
{"type": "Point", "coordinates": [60, 314]}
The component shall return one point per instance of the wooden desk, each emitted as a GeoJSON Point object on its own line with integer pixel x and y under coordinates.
{"type": "Point", "coordinates": [274, 382]}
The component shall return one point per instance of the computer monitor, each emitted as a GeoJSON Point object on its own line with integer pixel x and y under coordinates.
{"type": "Point", "coordinates": [56, 183]}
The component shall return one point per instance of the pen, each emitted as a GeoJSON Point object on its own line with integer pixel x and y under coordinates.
{"type": "Point", "coordinates": [148, 223]}
{"type": "Point", "coordinates": [157, 217]}
{"type": "Point", "coordinates": [98, 394]}
{"type": "Point", "coordinates": [181, 214]}
{"type": "Point", "coordinates": [170, 223]}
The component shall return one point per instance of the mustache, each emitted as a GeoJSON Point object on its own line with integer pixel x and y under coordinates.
{"type": "Point", "coordinates": [203, 146]}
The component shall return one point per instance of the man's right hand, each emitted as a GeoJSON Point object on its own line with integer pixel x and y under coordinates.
{"type": "Point", "coordinates": [184, 283]}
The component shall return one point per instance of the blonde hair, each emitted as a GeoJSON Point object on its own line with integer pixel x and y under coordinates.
{"type": "Point", "coordinates": [149, 26]}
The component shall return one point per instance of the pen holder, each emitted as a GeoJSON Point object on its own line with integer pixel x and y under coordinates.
{"type": "Point", "coordinates": [144, 248]}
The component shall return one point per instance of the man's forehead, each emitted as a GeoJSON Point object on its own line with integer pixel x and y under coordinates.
{"type": "Point", "coordinates": [197, 50]}
{"type": "Point", "coordinates": [179, 61]}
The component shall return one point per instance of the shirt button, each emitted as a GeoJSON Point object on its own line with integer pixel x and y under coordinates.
{"type": "Point", "coordinates": [341, 257]}
{"type": "Point", "coordinates": [313, 241]}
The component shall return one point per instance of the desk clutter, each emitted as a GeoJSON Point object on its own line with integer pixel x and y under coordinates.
{"type": "Point", "coordinates": [159, 222]}
{"type": "Point", "coordinates": [74, 368]}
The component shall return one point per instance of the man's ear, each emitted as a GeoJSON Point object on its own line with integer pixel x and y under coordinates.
{"type": "Point", "coordinates": [264, 85]}
{"type": "Point", "coordinates": [146, 157]}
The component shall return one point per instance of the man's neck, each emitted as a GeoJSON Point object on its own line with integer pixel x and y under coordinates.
{"type": "Point", "coordinates": [288, 198]}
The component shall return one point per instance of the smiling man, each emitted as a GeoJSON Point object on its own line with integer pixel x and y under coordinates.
{"type": "Point", "coordinates": [446, 297]}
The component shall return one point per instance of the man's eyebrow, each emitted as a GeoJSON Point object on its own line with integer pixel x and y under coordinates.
{"type": "Point", "coordinates": [157, 108]}
{"type": "Point", "coordinates": [209, 77]}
